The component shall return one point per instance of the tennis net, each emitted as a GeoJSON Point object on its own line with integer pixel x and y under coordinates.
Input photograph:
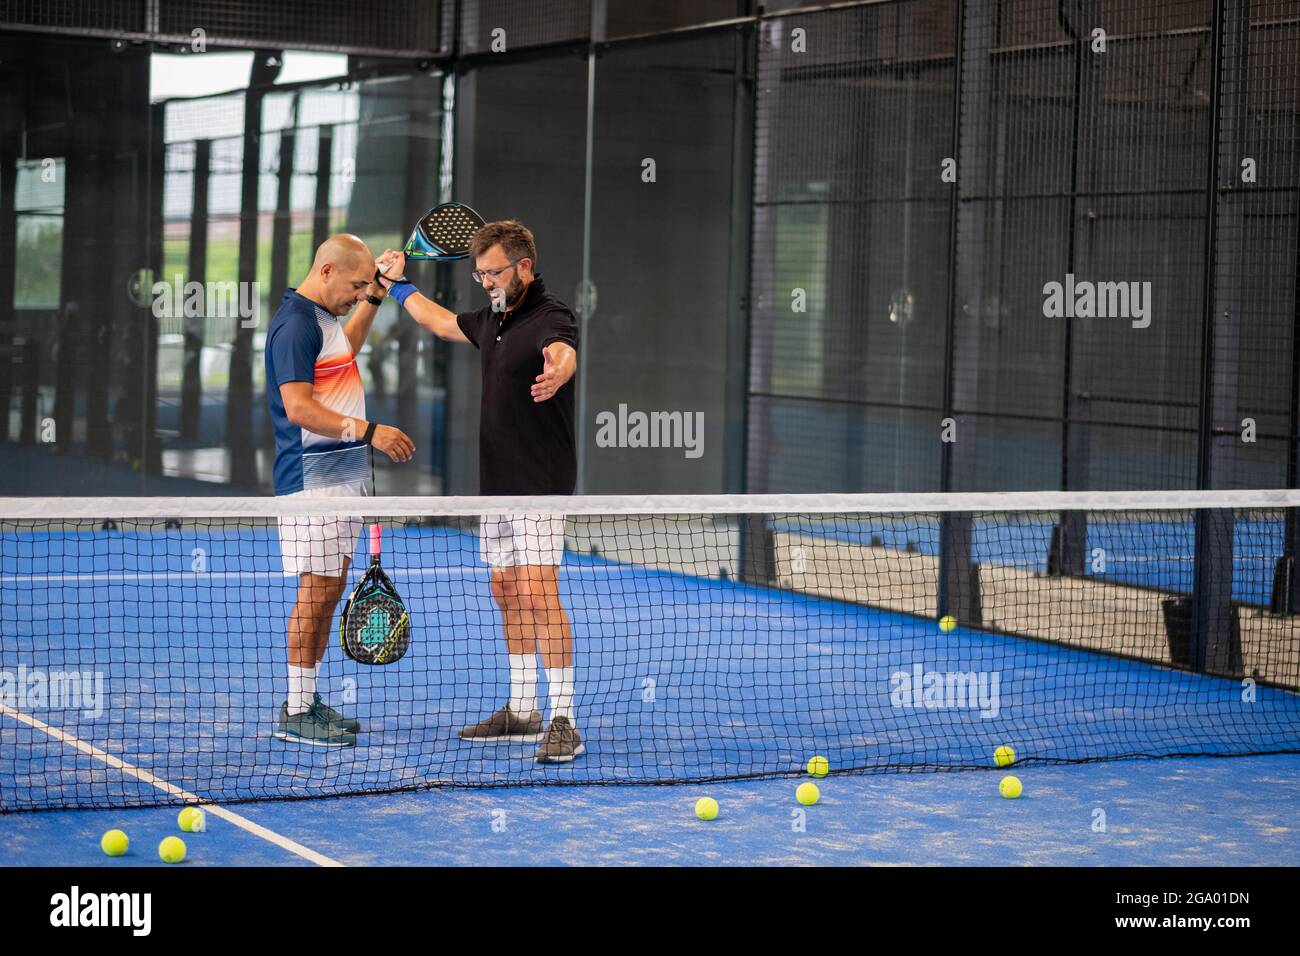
{"type": "Point", "coordinates": [143, 648]}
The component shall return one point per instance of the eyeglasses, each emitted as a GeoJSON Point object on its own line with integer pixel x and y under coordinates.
{"type": "Point", "coordinates": [495, 273]}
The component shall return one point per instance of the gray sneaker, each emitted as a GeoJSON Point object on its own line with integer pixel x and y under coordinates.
{"type": "Point", "coordinates": [326, 712]}
{"type": "Point", "coordinates": [562, 743]}
{"type": "Point", "coordinates": [505, 724]}
{"type": "Point", "coordinates": [311, 729]}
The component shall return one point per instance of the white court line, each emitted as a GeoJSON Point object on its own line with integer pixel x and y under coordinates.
{"type": "Point", "coordinates": [172, 790]}
{"type": "Point", "coordinates": [196, 576]}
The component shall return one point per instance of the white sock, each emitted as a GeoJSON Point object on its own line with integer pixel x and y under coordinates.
{"type": "Point", "coordinates": [302, 687]}
{"type": "Point", "coordinates": [523, 683]}
{"type": "Point", "coordinates": [315, 677]}
{"type": "Point", "coordinates": [559, 681]}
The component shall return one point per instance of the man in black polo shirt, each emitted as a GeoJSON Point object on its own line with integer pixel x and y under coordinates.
{"type": "Point", "coordinates": [527, 339]}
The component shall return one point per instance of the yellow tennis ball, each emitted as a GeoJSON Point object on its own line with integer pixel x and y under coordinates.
{"type": "Point", "coordinates": [190, 820]}
{"type": "Point", "coordinates": [947, 623]}
{"type": "Point", "coordinates": [1010, 787]}
{"type": "Point", "coordinates": [819, 766]}
{"type": "Point", "coordinates": [114, 843]}
{"type": "Point", "coordinates": [1004, 756]}
{"type": "Point", "coordinates": [172, 850]}
{"type": "Point", "coordinates": [706, 808]}
{"type": "Point", "coordinates": [807, 794]}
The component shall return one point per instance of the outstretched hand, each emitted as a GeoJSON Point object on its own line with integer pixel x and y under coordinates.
{"type": "Point", "coordinates": [549, 382]}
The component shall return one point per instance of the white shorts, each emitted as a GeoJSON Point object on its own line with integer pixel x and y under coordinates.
{"type": "Point", "coordinates": [320, 545]}
{"type": "Point", "coordinates": [508, 541]}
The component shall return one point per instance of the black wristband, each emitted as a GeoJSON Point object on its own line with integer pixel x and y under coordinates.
{"type": "Point", "coordinates": [374, 300]}
{"type": "Point", "coordinates": [386, 281]}
{"type": "Point", "coordinates": [370, 432]}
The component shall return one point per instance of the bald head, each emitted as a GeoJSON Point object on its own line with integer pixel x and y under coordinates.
{"type": "Point", "coordinates": [344, 251]}
{"type": "Point", "coordinates": [340, 273]}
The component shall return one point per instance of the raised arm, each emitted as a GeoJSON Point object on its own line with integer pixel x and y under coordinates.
{"type": "Point", "coordinates": [357, 326]}
{"type": "Point", "coordinates": [441, 322]}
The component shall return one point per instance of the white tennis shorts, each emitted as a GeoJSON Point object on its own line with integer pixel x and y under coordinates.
{"type": "Point", "coordinates": [509, 541]}
{"type": "Point", "coordinates": [320, 545]}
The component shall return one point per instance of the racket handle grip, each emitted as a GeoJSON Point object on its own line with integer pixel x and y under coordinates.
{"type": "Point", "coordinates": [376, 539]}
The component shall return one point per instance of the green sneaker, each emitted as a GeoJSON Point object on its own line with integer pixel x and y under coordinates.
{"type": "Point", "coordinates": [334, 717]}
{"type": "Point", "coordinates": [311, 729]}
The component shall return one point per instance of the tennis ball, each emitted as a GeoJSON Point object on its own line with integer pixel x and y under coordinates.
{"type": "Point", "coordinates": [1004, 756]}
{"type": "Point", "coordinates": [114, 843]}
{"type": "Point", "coordinates": [819, 766]}
{"type": "Point", "coordinates": [947, 623]}
{"type": "Point", "coordinates": [706, 808]}
{"type": "Point", "coordinates": [1010, 787]}
{"type": "Point", "coordinates": [190, 820]}
{"type": "Point", "coordinates": [172, 850]}
{"type": "Point", "coordinates": [807, 794]}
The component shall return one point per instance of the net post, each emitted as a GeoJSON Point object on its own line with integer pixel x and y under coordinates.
{"type": "Point", "coordinates": [1065, 557]}
{"type": "Point", "coordinates": [1215, 635]}
{"type": "Point", "coordinates": [1285, 600]}
{"type": "Point", "coordinates": [757, 551]}
{"type": "Point", "coordinates": [1065, 554]}
{"type": "Point", "coordinates": [959, 584]}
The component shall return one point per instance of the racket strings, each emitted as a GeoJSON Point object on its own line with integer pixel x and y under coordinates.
{"type": "Point", "coordinates": [451, 228]}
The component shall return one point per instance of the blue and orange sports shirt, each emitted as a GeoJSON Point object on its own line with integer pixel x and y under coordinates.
{"type": "Point", "coordinates": [307, 344]}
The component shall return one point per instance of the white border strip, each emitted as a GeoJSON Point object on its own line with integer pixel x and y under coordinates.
{"type": "Point", "coordinates": [270, 836]}
{"type": "Point", "coordinates": [38, 509]}
{"type": "Point", "coordinates": [291, 580]}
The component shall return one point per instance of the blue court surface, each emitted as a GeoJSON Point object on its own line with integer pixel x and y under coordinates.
{"type": "Point", "coordinates": [681, 679]}
{"type": "Point", "coordinates": [1171, 812]}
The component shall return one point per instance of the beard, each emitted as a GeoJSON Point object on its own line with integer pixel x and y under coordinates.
{"type": "Point", "coordinates": [513, 293]}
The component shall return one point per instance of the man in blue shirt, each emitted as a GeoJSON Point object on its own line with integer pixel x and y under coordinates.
{"type": "Point", "coordinates": [318, 410]}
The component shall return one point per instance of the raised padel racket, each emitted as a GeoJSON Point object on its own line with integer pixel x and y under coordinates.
{"type": "Point", "coordinates": [443, 233]}
{"type": "Point", "coordinates": [374, 627]}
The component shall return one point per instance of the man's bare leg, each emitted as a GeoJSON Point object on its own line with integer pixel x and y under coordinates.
{"type": "Point", "coordinates": [309, 619]}
{"type": "Point", "coordinates": [536, 601]}
{"type": "Point", "coordinates": [520, 718]}
{"type": "Point", "coordinates": [322, 645]}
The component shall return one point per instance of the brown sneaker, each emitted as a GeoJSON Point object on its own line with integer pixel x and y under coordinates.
{"type": "Point", "coordinates": [562, 742]}
{"type": "Point", "coordinates": [505, 724]}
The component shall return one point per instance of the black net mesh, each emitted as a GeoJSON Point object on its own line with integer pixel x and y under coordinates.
{"type": "Point", "coordinates": [384, 25]}
{"type": "Point", "coordinates": [850, 249]}
{"type": "Point", "coordinates": [148, 660]}
{"type": "Point", "coordinates": [1112, 151]}
{"type": "Point", "coordinates": [124, 15]}
{"type": "Point", "coordinates": [500, 26]}
{"type": "Point", "coordinates": [632, 17]}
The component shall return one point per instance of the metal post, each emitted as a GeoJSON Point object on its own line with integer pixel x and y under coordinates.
{"type": "Point", "coordinates": [1213, 637]}
{"type": "Point", "coordinates": [320, 221]}
{"type": "Point", "coordinates": [958, 574]}
{"type": "Point", "coordinates": [193, 326]}
{"type": "Point", "coordinates": [8, 266]}
{"type": "Point", "coordinates": [584, 307]}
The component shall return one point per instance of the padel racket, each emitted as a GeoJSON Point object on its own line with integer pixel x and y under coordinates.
{"type": "Point", "coordinates": [374, 627]}
{"type": "Point", "coordinates": [443, 233]}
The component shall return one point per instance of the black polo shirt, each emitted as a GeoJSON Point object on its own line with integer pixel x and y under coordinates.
{"type": "Point", "coordinates": [524, 447]}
